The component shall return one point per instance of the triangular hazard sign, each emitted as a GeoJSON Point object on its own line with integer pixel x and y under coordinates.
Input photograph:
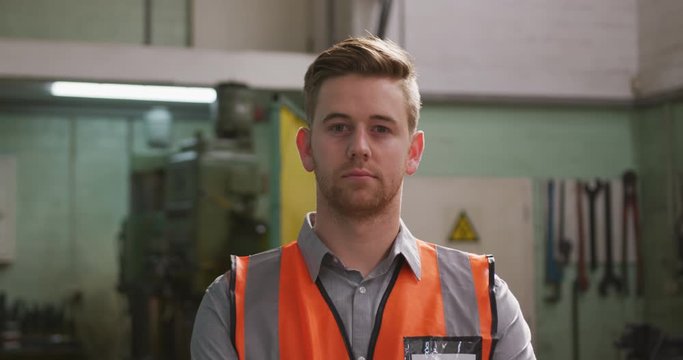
{"type": "Point", "coordinates": [463, 229]}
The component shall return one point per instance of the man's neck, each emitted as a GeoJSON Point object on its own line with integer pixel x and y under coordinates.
{"type": "Point", "coordinates": [359, 243]}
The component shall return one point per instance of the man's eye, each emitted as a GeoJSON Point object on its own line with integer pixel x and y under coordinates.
{"type": "Point", "coordinates": [382, 129]}
{"type": "Point", "coordinates": [338, 128]}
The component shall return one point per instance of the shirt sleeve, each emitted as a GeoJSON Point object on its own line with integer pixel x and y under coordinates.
{"type": "Point", "coordinates": [514, 336]}
{"type": "Point", "coordinates": [211, 332]}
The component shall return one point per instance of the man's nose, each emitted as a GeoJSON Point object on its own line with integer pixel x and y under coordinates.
{"type": "Point", "coordinates": [359, 147]}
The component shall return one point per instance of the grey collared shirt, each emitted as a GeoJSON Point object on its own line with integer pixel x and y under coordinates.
{"type": "Point", "coordinates": [355, 298]}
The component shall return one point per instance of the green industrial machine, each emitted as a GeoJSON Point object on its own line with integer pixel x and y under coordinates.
{"type": "Point", "coordinates": [190, 208]}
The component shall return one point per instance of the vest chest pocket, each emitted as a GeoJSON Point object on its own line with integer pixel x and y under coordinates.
{"type": "Point", "coordinates": [442, 348]}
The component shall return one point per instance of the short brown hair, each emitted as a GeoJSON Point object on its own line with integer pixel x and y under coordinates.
{"type": "Point", "coordinates": [364, 56]}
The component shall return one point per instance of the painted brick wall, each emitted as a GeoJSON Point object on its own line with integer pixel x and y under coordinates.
{"type": "Point", "coordinates": [121, 21]}
{"type": "Point", "coordinates": [72, 194]}
{"type": "Point", "coordinates": [659, 153]}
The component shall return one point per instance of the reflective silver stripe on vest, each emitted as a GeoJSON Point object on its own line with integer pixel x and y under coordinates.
{"type": "Point", "coordinates": [457, 289]}
{"type": "Point", "coordinates": [261, 338]}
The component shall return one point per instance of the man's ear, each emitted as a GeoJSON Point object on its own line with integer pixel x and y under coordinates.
{"type": "Point", "coordinates": [303, 144]}
{"type": "Point", "coordinates": [417, 146]}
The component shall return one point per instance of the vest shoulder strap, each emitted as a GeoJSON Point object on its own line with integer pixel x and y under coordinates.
{"type": "Point", "coordinates": [236, 291]}
{"type": "Point", "coordinates": [483, 275]}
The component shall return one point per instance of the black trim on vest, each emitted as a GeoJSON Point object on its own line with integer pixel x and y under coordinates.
{"type": "Point", "coordinates": [231, 296]}
{"type": "Point", "coordinates": [380, 310]}
{"type": "Point", "coordinates": [337, 318]}
{"type": "Point", "coordinates": [492, 299]}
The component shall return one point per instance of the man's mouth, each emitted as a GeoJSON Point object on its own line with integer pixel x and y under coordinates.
{"type": "Point", "coordinates": [358, 173]}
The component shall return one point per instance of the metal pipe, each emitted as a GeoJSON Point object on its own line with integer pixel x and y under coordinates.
{"type": "Point", "coordinates": [147, 22]}
{"type": "Point", "coordinates": [384, 18]}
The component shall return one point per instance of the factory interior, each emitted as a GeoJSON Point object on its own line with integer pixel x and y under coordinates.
{"type": "Point", "coordinates": [554, 141]}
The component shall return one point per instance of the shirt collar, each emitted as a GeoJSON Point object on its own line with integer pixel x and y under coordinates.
{"type": "Point", "coordinates": [314, 250]}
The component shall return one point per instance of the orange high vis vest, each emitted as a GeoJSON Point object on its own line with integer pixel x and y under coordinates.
{"type": "Point", "coordinates": [277, 312]}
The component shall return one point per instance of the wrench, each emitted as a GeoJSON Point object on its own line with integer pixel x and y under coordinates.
{"type": "Point", "coordinates": [678, 227]}
{"type": "Point", "coordinates": [564, 245]}
{"type": "Point", "coordinates": [608, 277]}
{"type": "Point", "coordinates": [592, 190]}
{"type": "Point", "coordinates": [629, 180]}
{"type": "Point", "coordinates": [582, 277]}
{"type": "Point", "coordinates": [553, 273]}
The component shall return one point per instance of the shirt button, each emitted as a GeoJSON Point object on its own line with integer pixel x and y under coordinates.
{"type": "Point", "coordinates": [361, 358]}
{"type": "Point", "coordinates": [362, 291]}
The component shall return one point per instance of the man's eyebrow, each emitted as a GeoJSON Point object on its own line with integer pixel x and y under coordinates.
{"type": "Point", "coordinates": [383, 118]}
{"type": "Point", "coordinates": [335, 115]}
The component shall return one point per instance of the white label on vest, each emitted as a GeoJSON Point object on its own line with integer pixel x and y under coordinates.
{"type": "Point", "coordinates": [444, 357]}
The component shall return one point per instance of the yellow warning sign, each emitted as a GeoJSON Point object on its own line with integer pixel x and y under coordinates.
{"type": "Point", "coordinates": [463, 229]}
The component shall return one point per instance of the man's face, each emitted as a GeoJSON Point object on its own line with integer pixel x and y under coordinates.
{"type": "Point", "coordinates": [359, 144]}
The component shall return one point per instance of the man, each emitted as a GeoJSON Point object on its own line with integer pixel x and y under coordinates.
{"type": "Point", "coordinates": [357, 284]}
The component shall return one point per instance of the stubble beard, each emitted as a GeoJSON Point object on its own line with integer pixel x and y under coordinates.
{"type": "Point", "coordinates": [357, 201]}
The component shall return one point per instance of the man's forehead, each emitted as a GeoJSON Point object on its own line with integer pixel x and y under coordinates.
{"type": "Point", "coordinates": [355, 90]}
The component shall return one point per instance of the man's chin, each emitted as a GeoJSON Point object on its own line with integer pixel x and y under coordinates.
{"type": "Point", "coordinates": [357, 206]}
{"type": "Point", "coordinates": [360, 212]}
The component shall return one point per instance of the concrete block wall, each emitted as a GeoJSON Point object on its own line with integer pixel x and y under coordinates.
{"type": "Point", "coordinates": [170, 23]}
{"type": "Point", "coordinates": [95, 21]}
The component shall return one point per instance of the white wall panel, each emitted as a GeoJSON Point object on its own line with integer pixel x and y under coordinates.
{"type": "Point", "coordinates": [536, 48]}
{"type": "Point", "coordinates": [273, 25]}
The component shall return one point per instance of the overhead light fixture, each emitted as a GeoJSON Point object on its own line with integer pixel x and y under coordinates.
{"type": "Point", "coordinates": [133, 92]}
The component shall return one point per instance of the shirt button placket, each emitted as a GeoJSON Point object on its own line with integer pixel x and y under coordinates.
{"type": "Point", "coordinates": [362, 321]}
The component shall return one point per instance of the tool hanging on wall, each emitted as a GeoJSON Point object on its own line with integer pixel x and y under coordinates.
{"type": "Point", "coordinates": [678, 230]}
{"type": "Point", "coordinates": [553, 273]}
{"type": "Point", "coordinates": [592, 190]}
{"type": "Point", "coordinates": [575, 320]}
{"type": "Point", "coordinates": [564, 245]}
{"type": "Point", "coordinates": [581, 281]}
{"type": "Point", "coordinates": [609, 278]}
{"type": "Point", "coordinates": [629, 181]}
{"type": "Point", "coordinates": [582, 277]}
